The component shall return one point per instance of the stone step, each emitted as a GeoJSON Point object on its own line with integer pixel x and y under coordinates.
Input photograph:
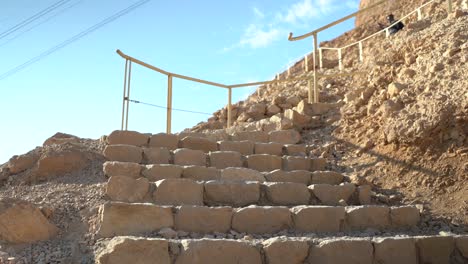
{"type": "Point", "coordinates": [280, 250]}
{"type": "Point", "coordinates": [118, 218]}
{"type": "Point", "coordinates": [217, 159]}
{"type": "Point", "coordinates": [155, 172]}
{"type": "Point", "coordinates": [201, 141]}
{"type": "Point", "coordinates": [233, 189]}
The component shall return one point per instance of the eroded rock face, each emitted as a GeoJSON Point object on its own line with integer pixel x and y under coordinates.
{"type": "Point", "coordinates": [54, 163]}
{"type": "Point", "coordinates": [22, 222]}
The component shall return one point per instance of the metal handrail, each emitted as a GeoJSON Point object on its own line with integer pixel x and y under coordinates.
{"type": "Point", "coordinates": [126, 97]}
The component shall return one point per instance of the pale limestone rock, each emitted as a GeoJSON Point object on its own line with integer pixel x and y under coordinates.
{"type": "Point", "coordinates": [134, 138]}
{"type": "Point", "coordinates": [318, 164]}
{"type": "Point", "coordinates": [364, 193]}
{"type": "Point", "coordinates": [125, 153]}
{"type": "Point", "coordinates": [285, 136]}
{"type": "Point", "coordinates": [291, 163]}
{"type": "Point", "coordinates": [350, 252]}
{"type": "Point", "coordinates": [197, 143]}
{"type": "Point", "coordinates": [404, 216]}
{"type": "Point", "coordinates": [178, 192]}
{"type": "Point", "coordinates": [232, 193]}
{"type": "Point", "coordinates": [22, 222]}
{"type": "Point", "coordinates": [327, 177]}
{"type": "Point", "coordinates": [254, 136]}
{"type": "Point", "coordinates": [318, 218]}
{"type": "Point", "coordinates": [435, 249]}
{"type": "Point", "coordinates": [332, 194]}
{"type": "Point", "coordinates": [287, 193]}
{"type": "Point", "coordinates": [156, 172]}
{"type": "Point", "coordinates": [225, 159]}
{"type": "Point", "coordinates": [241, 174]}
{"type": "Point", "coordinates": [124, 250]}
{"type": "Point", "coordinates": [395, 250]}
{"type": "Point", "coordinates": [129, 219]}
{"type": "Point", "coordinates": [201, 173]}
{"type": "Point", "coordinates": [462, 245]}
{"type": "Point", "coordinates": [245, 147]}
{"type": "Point", "coordinates": [367, 216]}
{"type": "Point", "coordinates": [189, 157]}
{"type": "Point", "coordinates": [298, 176]}
{"type": "Point", "coordinates": [280, 250]}
{"type": "Point", "coordinates": [156, 155]}
{"type": "Point", "coordinates": [202, 219]}
{"type": "Point", "coordinates": [295, 150]}
{"type": "Point", "coordinates": [264, 162]}
{"type": "Point", "coordinates": [55, 163]}
{"type": "Point", "coordinates": [117, 168]}
{"type": "Point", "coordinates": [261, 220]}
{"type": "Point", "coordinates": [218, 251]}
{"type": "Point", "coordinates": [126, 189]}
{"type": "Point", "coordinates": [269, 148]}
{"type": "Point", "coordinates": [163, 140]}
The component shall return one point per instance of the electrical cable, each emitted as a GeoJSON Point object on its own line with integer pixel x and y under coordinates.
{"type": "Point", "coordinates": [163, 107]}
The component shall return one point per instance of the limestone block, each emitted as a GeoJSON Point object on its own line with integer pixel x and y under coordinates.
{"type": "Point", "coordinates": [395, 250]}
{"type": "Point", "coordinates": [254, 136]}
{"type": "Point", "coordinates": [201, 173]}
{"type": "Point", "coordinates": [124, 250]}
{"type": "Point", "coordinates": [120, 137]}
{"type": "Point", "coordinates": [263, 162]}
{"type": "Point", "coordinates": [192, 134]}
{"type": "Point", "coordinates": [178, 192]}
{"type": "Point", "coordinates": [318, 164]}
{"type": "Point", "coordinates": [126, 189]}
{"type": "Point", "coordinates": [241, 174]}
{"type": "Point", "coordinates": [364, 193]}
{"type": "Point", "coordinates": [189, 157]}
{"type": "Point", "coordinates": [332, 194]}
{"type": "Point", "coordinates": [202, 219]}
{"type": "Point", "coordinates": [225, 159]}
{"type": "Point", "coordinates": [269, 148]}
{"type": "Point", "coordinates": [163, 140]}
{"type": "Point", "coordinates": [290, 136]}
{"type": "Point", "coordinates": [261, 220]}
{"type": "Point", "coordinates": [22, 222]}
{"type": "Point", "coordinates": [295, 150]}
{"type": "Point", "coordinates": [287, 193]}
{"type": "Point", "coordinates": [350, 252]}
{"type": "Point", "coordinates": [404, 216]}
{"type": "Point", "coordinates": [462, 245]}
{"type": "Point", "coordinates": [291, 163]}
{"type": "Point", "coordinates": [118, 168]}
{"type": "Point", "coordinates": [130, 219]}
{"type": "Point", "coordinates": [280, 250]}
{"type": "Point", "coordinates": [318, 218]}
{"type": "Point", "coordinates": [232, 193]}
{"type": "Point", "coordinates": [245, 147]}
{"type": "Point", "coordinates": [156, 156]}
{"type": "Point", "coordinates": [156, 172]}
{"type": "Point", "coordinates": [436, 249]}
{"type": "Point", "coordinates": [217, 135]}
{"type": "Point", "coordinates": [218, 251]}
{"type": "Point", "coordinates": [125, 153]}
{"type": "Point", "coordinates": [367, 216]}
{"type": "Point", "coordinates": [197, 143]}
{"type": "Point", "coordinates": [327, 177]}
{"type": "Point", "coordinates": [297, 176]}
{"type": "Point", "coordinates": [299, 121]}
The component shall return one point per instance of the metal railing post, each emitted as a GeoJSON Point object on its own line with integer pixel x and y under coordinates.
{"type": "Point", "coordinates": [124, 93]}
{"type": "Point", "coordinates": [361, 59]}
{"type": "Point", "coordinates": [306, 63]}
{"type": "Point", "coordinates": [316, 94]}
{"type": "Point", "coordinates": [321, 58]}
{"type": "Point", "coordinates": [340, 61]}
{"type": "Point", "coordinates": [419, 14]}
{"type": "Point", "coordinates": [169, 104]}
{"type": "Point", "coordinates": [387, 33]}
{"type": "Point", "coordinates": [128, 93]}
{"type": "Point", "coordinates": [450, 6]}
{"type": "Point", "coordinates": [229, 108]}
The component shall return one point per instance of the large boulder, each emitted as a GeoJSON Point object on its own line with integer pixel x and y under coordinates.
{"type": "Point", "coordinates": [24, 162]}
{"type": "Point", "coordinates": [59, 162]}
{"type": "Point", "coordinates": [22, 222]}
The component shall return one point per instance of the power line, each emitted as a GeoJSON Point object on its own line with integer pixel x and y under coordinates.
{"type": "Point", "coordinates": [42, 22]}
{"type": "Point", "coordinates": [163, 107]}
{"type": "Point", "coordinates": [73, 39]}
{"type": "Point", "coordinates": [33, 18]}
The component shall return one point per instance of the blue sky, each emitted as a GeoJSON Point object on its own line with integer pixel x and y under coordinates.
{"type": "Point", "coordinates": [78, 89]}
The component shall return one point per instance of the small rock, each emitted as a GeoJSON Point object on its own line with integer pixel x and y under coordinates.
{"type": "Point", "coordinates": [437, 67]}
{"type": "Point", "coordinates": [168, 233]}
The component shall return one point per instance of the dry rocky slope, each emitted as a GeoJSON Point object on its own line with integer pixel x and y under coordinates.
{"type": "Point", "coordinates": [375, 174]}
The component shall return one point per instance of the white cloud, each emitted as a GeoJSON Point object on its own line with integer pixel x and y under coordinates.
{"type": "Point", "coordinates": [256, 37]}
{"type": "Point", "coordinates": [258, 13]}
{"type": "Point", "coordinates": [309, 9]}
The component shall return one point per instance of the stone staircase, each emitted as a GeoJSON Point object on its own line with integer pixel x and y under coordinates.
{"type": "Point", "coordinates": [252, 197]}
